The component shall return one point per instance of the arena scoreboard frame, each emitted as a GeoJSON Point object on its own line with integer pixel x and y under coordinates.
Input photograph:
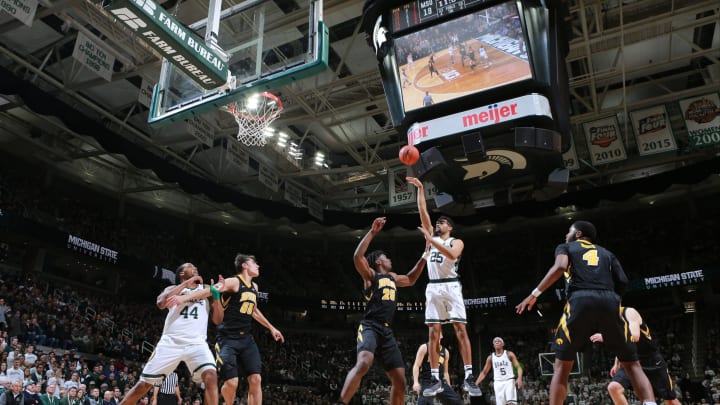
{"type": "Point", "coordinates": [468, 78]}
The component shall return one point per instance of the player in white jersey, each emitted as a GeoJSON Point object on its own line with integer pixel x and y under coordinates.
{"type": "Point", "coordinates": [443, 295]}
{"type": "Point", "coordinates": [502, 362]}
{"type": "Point", "coordinates": [184, 337]}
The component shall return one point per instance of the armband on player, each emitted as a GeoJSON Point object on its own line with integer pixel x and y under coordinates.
{"type": "Point", "coordinates": [536, 293]}
{"type": "Point", "coordinates": [215, 292]}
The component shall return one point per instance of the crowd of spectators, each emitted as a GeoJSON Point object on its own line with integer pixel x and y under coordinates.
{"type": "Point", "coordinates": [308, 369]}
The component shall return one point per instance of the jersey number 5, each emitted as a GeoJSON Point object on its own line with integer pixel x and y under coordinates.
{"type": "Point", "coordinates": [591, 257]}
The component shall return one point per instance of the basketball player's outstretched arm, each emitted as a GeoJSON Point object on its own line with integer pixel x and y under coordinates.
{"type": "Point", "coordinates": [361, 264]}
{"type": "Point", "coordinates": [205, 292]}
{"type": "Point", "coordinates": [276, 334]}
{"type": "Point", "coordinates": [556, 271]}
{"type": "Point", "coordinates": [413, 275]}
{"type": "Point", "coordinates": [425, 221]}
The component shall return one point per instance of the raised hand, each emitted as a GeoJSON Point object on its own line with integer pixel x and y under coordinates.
{"type": "Point", "coordinates": [526, 304]}
{"type": "Point", "coordinates": [415, 181]}
{"type": "Point", "coordinates": [428, 236]}
{"type": "Point", "coordinates": [194, 281]}
{"type": "Point", "coordinates": [378, 224]}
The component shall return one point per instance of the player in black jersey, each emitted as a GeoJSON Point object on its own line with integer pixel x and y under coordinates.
{"type": "Point", "coordinates": [236, 349]}
{"type": "Point", "coordinates": [422, 377]}
{"type": "Point", "coordinates": [375, 337]}
{"type": "Point", "coordinates": [593, 275]}
{"type": "Point", "coordinates": [651, 360]}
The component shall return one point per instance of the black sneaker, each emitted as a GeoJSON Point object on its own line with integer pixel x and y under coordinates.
{"type": "Point", "coordinates": [472, 389]}
{"type": "Point", "coordinates": [434, 388]}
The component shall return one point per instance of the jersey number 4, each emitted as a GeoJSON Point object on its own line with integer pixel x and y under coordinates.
{"type": "Point", "coordinates": [591, 257]}
{"type": "Point", "coordinates": [192, 312]}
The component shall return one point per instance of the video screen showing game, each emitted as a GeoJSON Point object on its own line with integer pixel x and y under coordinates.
{"type": "Point", "coordinates": [470, 54]}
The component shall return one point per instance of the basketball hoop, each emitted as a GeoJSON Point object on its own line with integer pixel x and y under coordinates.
{"type": "Point", "coordinates": [253, 114]}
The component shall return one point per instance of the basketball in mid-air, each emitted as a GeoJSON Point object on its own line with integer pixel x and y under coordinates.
{"type": "Point", "coordinates": [409, 155]}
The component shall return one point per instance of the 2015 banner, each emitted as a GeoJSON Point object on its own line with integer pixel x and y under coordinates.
{"type": "Point", "coordinates": [652, 129]}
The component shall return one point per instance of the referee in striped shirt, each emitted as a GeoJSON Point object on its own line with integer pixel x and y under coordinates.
{"type": "Point", "coordinates": [169, 391]}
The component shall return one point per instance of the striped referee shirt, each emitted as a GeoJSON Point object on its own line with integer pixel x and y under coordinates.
{"type": "Point", "coordinates": [169, 384]}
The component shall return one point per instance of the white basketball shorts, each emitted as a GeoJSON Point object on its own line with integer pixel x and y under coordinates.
{"type": "Point", "coordinates": [444, 302]}
{"type": "Point", "coordinates": [165, 358]}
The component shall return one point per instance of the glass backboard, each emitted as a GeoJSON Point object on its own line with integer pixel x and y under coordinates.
{"type": "Point", "coordinates": [266, 47]}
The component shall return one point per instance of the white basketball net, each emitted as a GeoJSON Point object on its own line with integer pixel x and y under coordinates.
{"type": "Point", "coordinates": [253, 114]}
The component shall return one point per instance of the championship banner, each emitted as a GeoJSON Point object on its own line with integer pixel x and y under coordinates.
{"type": "Point", "coordinates": [604, 141]}
{"type": "Point", "coordinates": [201, 130]}
{"type": "Point", "coordinates": [570, 158]}
{"type": "Point", "coordinates": [91, 249]}
{"type": "Point", "coordinates": [652, 131]}
{"type": "Point", "coordinates": [399, 191]}
{"type": "Point", "coordinates": [315, 209]}
{"type": "Point", "coordinates": [237, 155]}
{"type": "Point", "coordinates": [268, 177]}
{"type": "Point", "coordinates": [293, 194]}
{"type": "Point", "coordinates": [22, 10]}
{"type": "Point", "coordinates": [702, 119]}
{"type": "Point", "coordinates": [93, 56]}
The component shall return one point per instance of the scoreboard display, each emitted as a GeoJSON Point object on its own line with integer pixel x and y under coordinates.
{"type": "Point", "coordinates": [421, 11]}
{"type": "Point", "coordinates": [469, 80]}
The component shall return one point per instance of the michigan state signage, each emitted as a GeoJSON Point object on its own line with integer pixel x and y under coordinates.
{"type": "Point", "coordinates": [154, 25]}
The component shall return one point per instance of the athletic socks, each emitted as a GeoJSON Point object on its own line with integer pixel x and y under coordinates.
{"type": "Point", "coordinates": [468, 370]}
{"type": "Point", "coordinates": [435, 372]}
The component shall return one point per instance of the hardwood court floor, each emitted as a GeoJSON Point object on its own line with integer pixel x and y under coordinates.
{"type": "Point", "coordinates": [456, 80]}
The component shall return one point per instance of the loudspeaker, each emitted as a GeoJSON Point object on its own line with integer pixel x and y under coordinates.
{"type": "Point", "coordinates": [547, 139]}
{"type": "Point", "coordinates": [524, 137]}
{"type": "Point", "coordinates": [443, 199]}
{"type": "Point", "coordinates": [429, 160]}
{"type": "Point", "coordinates": [557, 183]}
{"type": "Point", "coordinates": [538, 138]}
{"type": "Point", "coordinates": [473, 143]}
